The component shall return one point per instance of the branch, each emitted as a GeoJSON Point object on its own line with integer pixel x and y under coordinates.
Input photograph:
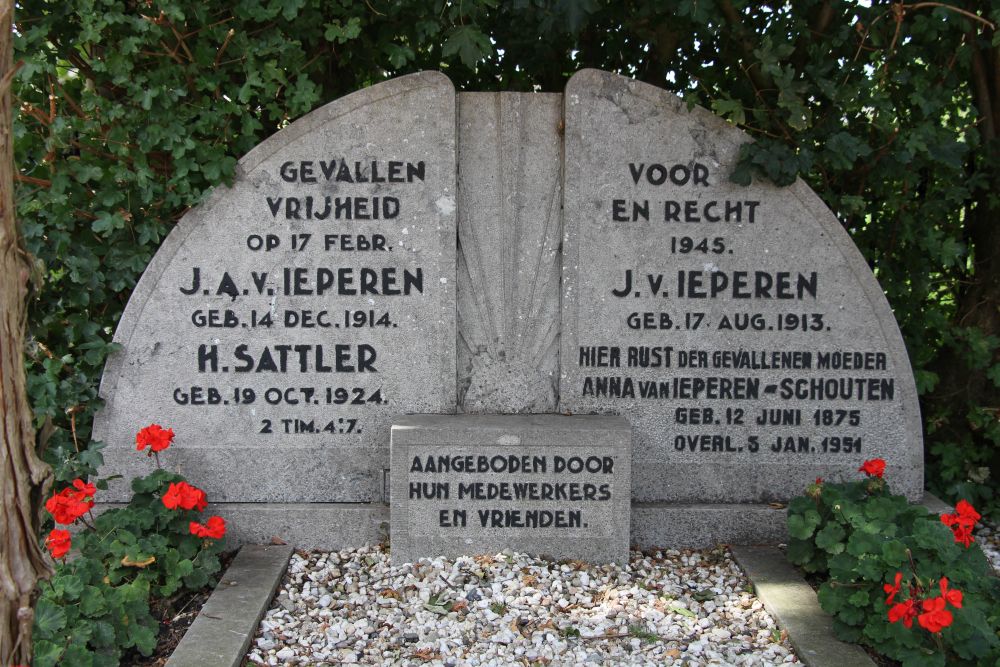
{"type": "Point", "coordinates": [225, 43]}
{"type": "Point", "coordinates": [760, 80]}
{"type": "Point", "coordinates": [40, 182]}
{"type": "Point", "coordinates": [982, 93]}
{"type": "Point", "coordinates": [996, 82]}
{"type": "Point", "coordinates": [974, 17]}
{"type": "Point", "coordinates": [72, 103]}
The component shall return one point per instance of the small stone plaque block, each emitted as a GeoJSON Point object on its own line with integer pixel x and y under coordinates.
{"type": "Point", "coordinates": [547, 485]}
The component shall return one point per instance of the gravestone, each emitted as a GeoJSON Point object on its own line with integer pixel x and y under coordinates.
{"type": "Point", "coordinates": [540, 484]}
{"type": "Point", "coordinates": [738, 328]}
{"type": "Point", "coordinates": [406, 250]}
{"type": "Point", "coordinates": [288, 318]}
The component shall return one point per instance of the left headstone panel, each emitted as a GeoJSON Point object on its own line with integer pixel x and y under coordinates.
{"type": "Point", "coordinates": [285, 320]}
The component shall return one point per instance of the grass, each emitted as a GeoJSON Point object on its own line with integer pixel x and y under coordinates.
{"type": "Point", "coordinates": [640, 632]}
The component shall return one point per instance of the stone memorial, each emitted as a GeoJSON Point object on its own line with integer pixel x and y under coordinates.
{"type": "Point", "coordinates": [574, 272]}
{"type": "Point", "coordinates": [541, 484]}
{"type": "Point", "coordinates": [738, 328]}
{"type": "Point", "coordinates": [288, 318]}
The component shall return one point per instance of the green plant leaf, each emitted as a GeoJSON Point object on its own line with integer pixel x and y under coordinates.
{"type": "Point", "coordinates": [49, 618]}
{"type": "Point", "coordinates": [802, 526]}
{"type": "Point", "coordinates": [46, 653]}
{"type": "Point", "coordinates": [469, 43]}
{"type": "Point", "coordinates": [831, 538]}
{"type": "Point", "coordinates": [683, 611]}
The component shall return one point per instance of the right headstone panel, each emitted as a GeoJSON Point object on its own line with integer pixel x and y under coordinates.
{"type": "Point", "coordinates": [737, 328]}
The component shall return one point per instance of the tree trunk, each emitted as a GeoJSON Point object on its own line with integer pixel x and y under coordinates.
{"type": "Point", "coordinates": [24, 479]}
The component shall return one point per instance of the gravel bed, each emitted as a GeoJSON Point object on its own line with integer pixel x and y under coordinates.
{"type": "Point", "coordinates": [665, 608]}
{"type": "Point", "coordinates": [988, 536]}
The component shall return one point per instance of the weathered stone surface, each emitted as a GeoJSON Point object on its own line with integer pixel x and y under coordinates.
{"type": "Point", "coordinates": [792, 601]}
{"type": "Point", "coordinates": [711, 309]}
{"type": "Point", "coordinates": [739, 303]}
{"type": "Point", "coordinates": [435, 513]}
{"type": "Point", "coordinates": [509, 230]}
{"type": "Point", "coordinates": [220, 320]}
{"type": "Point", "coordinates": [701, 526]}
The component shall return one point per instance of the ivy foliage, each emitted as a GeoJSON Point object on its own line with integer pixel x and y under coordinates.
{"type": "Point", "coordinates": [130, 110]}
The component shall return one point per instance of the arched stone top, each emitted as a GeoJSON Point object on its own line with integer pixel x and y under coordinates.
{"type": "Point", "coordinates": [400, 133]}
{"type": "Point", "coordinates": [613, 122]}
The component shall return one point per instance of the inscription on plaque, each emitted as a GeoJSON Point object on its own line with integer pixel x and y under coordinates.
{"type": "Point", "coordinates": [292, 315]}
{"type": "Point", "coordinates": [737, 327]}
{"type": "Point", "coordinates": [543, 484]}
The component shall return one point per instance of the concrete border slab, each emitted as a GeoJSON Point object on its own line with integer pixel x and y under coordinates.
{"type": "Point", "coordinates": [935, 505]}
{"type": "Point", "coordinates": [793, 603]}
{"type": "Point", "coordinates": [221, 634]}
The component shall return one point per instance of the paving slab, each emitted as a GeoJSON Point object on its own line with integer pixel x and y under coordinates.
{"type": "Point", "coordinates": [221, 634]}
{"type": "Point", "coordinates": [935, 505]}
{"type": "Point", "coordinates": [793, 603]}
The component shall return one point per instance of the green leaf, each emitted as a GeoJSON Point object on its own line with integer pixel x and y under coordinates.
{"type": "Point", "coordinates": [859, 598]}
{"type": "Point", "coordinates": [70, 585]}
{"type": "Point", "coordinates": [687, 613]}
{"type": "Point", "coordinates": [800, 552]}
{"type": "Point", "coordinates": [103, 635]}
{"type": "Point", "coordinates": [469, 43]}
{"type": "Point", "coordinates": [92, 601]}
{"type": "Point", "coordinates": [78, 655]}
{"type": "Point", "coordinates": [107, 222]}
{"type": "Point", "coordinates": [831, 538]}
{"type": "Point", "coordinates": [894, 553]}
{"type": "Point", "coordinates": [802, 526]}
{"type": "Point", "coordinates": [46, 653]}
{"type": "Point", "coordinates": [861, 543]}
{"type": "Point", "coordinates": [342, 33]}
{"type": "Point", "coordinates": [49, 618]}
{"type": "Point", "coordinates": [291, 8]}
{"type": "Point", "coordinates": [143, 637]}
{"type": "Point", "coordinates": [729, 109]}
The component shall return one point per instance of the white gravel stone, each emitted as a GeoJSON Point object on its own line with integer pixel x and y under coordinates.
{"type": "Point", "coordinates": [664, 608]}
{"type": "Point", "coordinates": [988, 536]}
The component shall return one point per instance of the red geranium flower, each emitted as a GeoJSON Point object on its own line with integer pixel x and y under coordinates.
{"type": "Point", "coordinates": [962, 522]}
{"type": "Point", "coordinates": [904, 611]}
{"type": "Point", "coordinates": [214, 528]}
{"type": "Point", "coordinates": [953, 596]}
{"type": "Point", "coordinates": [967, 512]}
{"type": "Point", "coordinates": [72, 502]}
{"type": "Point", "coordinates": [935, 617]}
{"type": "Point", "coordinates": [963, 535]}
{"type": "Point", "coordinates": [58, 543]}
{"type": "Point", "coordinates": [85, 490]}
{"type": "Point", "coordinates": [873, 467]}
{"type": "Point", "coordinates": [892, 590]}
{"type": "Point", "coordinates": [185, 496]}
{"type": "Point", "coordinates": [198, 499]}
{"type": "Point", "coordinates": [155, 437]}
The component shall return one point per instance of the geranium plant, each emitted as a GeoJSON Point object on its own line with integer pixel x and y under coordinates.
{"type": "Point", "coordinates": [97, 605]}
{"type": "Point", "coordinates": [909, 583]}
